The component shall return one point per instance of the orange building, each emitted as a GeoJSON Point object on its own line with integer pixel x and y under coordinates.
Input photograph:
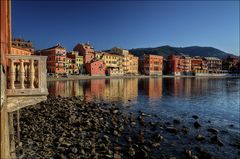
{"type": "Point", "coordinates": [25, 46]}
{"type": "Point", "coordinates": [179, 64]}
{"type": "Point", "coordinates": [199, 65]}
{"type": "Point", "coordinates": [20, 51]}
{"type": "Point", "coordinates": [151, 64]}
{"type": "Point", "coordinates": [56, 59]}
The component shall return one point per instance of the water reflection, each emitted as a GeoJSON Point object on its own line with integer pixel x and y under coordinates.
{"type": "Point", "coordinates": [213, 99]}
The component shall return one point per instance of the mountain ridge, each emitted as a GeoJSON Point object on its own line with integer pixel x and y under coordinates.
{"type": "Point", "coordinates": [167, 50]}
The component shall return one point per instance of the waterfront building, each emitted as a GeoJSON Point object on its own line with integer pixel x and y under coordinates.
{"type": "Point", "coordinates": [151, 64]}
{"type": "Point", "coordinates": [214, 64]}
{"type": "Point", "coordinates": [77, 61]}
{"type": "Point", "coordinates": [56, 59]}
{"type": "Point", "coordinates": [112, 61]}
{"type": "Point", "coordinates": [96, 68]}
{"type": "Point", "coordinates": [22, 44]}
{"type": "Point", "coordinates": [199, 65]}
{"type": "Point", "coordinates": [86, 50]}
{"type": "Point", "coordinates": [129, 61]}
{"type": "Point", "coordinates": [179, 64]}
{"type": "Point", "coordinates": [231, 63]}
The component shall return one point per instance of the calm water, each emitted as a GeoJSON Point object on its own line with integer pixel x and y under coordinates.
{"type": "Point", "coordinates": [216, 100]}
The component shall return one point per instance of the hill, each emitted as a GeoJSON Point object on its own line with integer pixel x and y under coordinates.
{"type": "Point", "coordinates": [191, 51]}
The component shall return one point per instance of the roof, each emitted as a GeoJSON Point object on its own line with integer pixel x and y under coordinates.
{"type": "Point", "coordinates": [54, 47]}
{"type": "Point", "coordinates": [212, 58]}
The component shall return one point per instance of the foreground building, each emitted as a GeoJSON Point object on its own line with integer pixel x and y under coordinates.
{"type": "Point", "coordinates": [56, 58]}
{"type": "Point", "coordinates": [151, 64]}
{"type": "Point", "coordinates": [25, 87]}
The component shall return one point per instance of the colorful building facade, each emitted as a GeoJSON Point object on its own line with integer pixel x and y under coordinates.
{"type": "Point", "coordinates": [85, 50]}
{"type": "Point", "coordinates": [179, 64]}
{"type": "Point", "coordinates": [151, 64]}
{"type": "Point", "coordinates": [199, 65]}
{"type": "Point", "coordinates": [129, 61]}
{"type": "Point", "coordinates": [113, 63]}
{"type": "Point", "coordinates": [76, 61]}
{"type": "Point", "coordinates": [214, 64]}
{"type": "Point", "coordinates": [56, 59]}
{"type": "Point", "coordinates": [22, 44]}
{"type": "Point", "coordinates": [96, 68]}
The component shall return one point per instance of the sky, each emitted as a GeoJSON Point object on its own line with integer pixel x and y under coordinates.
{"type": "Point", "coordinates": [128, 24]}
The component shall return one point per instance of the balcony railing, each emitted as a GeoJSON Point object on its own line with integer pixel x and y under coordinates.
{"type": "Point", "coordinates": [26, 75]}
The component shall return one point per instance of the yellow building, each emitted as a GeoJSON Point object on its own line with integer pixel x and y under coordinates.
{"type": "Point", "coordinates": [129, 61]}
{"type": "Point", "coordinates": [113, 62]}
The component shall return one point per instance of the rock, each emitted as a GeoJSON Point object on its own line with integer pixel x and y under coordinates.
{"type": "Point", "coordinates": [157, 137]}
{"type": "Point", "coordinates": [176, 121]}
{"type": "Point", "coordinates": [74, 150]}
{"type": "Point", "coordinates": [195, 117]}
{"type": "Point", "coordinates": [143, 153]}
{"type": "Point", "coordinates": [171, 129]}
{"type": "Point", "coordinates": [213, 130]}
{"type": "Point", "coordinates": [215, 140]}
{"type": "Point", "coordinates": [115, 133]}
{"type": "Point", "coordinates": [155, 145]}
{"type": "Point", "coordinates": [131, 151]}
{"type": "Point", "coordinates": [117, 156]}
{"type": "Point", "coordinates": [197, 124]}
{"type": "Point", "coordinates": [203, 154]}
{"type": "Point", "coordinates": [200, 137]}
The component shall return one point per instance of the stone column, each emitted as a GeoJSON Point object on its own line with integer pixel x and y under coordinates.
{"type": "Point", "coordinates": [22, 76]}
{"type": "Point", "coordinates": [12, 75]}
{"type": "Point", "coordinates": [32, 74]}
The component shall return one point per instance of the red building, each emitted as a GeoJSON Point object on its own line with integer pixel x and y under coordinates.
{"type": "Point", "coordinates": [96, 68]}
{"type": "Point", "coordinates": [179, 64]}
{"type": "Point", "coordinates": [85, 50]}
{"type": "Point", "coordinates": [199, 65]}
{"type": "Point", "coordinates": [56, 59]}
{"type": "Point", "coordinates": [151, 64]}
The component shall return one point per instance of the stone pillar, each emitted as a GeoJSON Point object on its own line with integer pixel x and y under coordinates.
{"type": "Point", "coordinates": [22, 74]}
{"type": "Point", "coordinates": [12, 75]}
{"type": "Point", "coordinates": [32, 74]}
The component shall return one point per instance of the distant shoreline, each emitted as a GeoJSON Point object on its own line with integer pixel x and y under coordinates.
{"type": "Point", "coordinates": [132, 76]}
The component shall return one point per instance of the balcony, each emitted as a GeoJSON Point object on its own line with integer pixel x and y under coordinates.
{"type": "Point", "coordinates": [26, 80]}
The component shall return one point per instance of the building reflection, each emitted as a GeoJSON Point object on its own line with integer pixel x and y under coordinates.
{"type": "Point", "coordinates": [152, 87]}
{"type": "Point", "coordinates": [101, 89]}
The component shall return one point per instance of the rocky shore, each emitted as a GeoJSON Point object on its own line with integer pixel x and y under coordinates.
{"type": "Point", "coordinates": [72, 128]}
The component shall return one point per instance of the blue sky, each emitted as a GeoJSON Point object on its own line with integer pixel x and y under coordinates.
{"type": "Point", "coordinates": [128, 24]}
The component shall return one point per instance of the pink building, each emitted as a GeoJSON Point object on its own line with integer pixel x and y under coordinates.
{"type": "Point", "coordinates": [96, 68]}
{"type": "Point", "coordinates": [85, 50]}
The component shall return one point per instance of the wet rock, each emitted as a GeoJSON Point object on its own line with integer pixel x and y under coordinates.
{"type": "Point", "coordinates": [203, 154]}
{"type": "Point", "coordinates": [74, 150]}
{"type": "Point", "coordinates": [215, 140]}
{"type": "Point", "coordinates": [131, 151]}
{"type": "Point", "coordinates": [172, 129]}
{"type": "Point", "coordinates": [176, 121]}
{"type": "Point", "coordinates": [196, 124]}
{"type": "Point", "coordinates": [213, 130]}
{"type": "Point", "coordinates": [195, 117]}
{"type": "Point", "coordinates": [117, 156]}
{"type": "Point", "coordinates": [200, 137]}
